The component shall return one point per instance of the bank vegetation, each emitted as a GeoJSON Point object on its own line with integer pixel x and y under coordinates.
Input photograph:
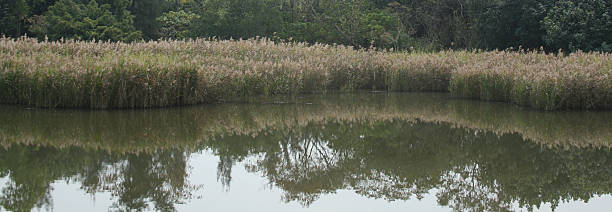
{"type": "Point", "coordinates": [95, 74]}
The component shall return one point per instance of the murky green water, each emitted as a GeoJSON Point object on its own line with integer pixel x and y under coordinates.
{"type": "Point", "coordinates": [347, 152]}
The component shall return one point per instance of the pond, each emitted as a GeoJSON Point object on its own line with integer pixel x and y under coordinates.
{"type": "Point", "coordinates": [326, 152]}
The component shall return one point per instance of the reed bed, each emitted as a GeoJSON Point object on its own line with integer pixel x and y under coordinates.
{"type": "Point", "coordinates": [545, 81]}
{"type": "Point", "coordinates": [90, 74]}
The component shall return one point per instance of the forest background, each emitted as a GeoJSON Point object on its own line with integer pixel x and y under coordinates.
{"type": "Point", "coordinates": [411, 25]}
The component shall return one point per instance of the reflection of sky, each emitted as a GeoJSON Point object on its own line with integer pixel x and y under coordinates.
{"type": "Point", "coordinates": [597, 203]}
{"type": "Point", "coordinates": [69, 197]}
{"type": "Point", "coordinates": [3, 181]}
{"type": "Point", "coordinates": [251, 192]}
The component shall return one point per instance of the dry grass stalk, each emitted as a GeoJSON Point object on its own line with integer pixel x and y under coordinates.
{"type": "Point", "coordinates": [168, 73]}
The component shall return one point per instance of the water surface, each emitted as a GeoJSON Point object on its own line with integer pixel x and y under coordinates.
{"type": "Point", "coordinates": [334, 152]}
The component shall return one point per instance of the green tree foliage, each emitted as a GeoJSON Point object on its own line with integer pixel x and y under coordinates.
{"type": "Point", "coordinates": [176, 24]}
{"type": "Point", "coordinates": [237, 18]}
{"type": "Point", "coordinates": [146, 13]}
{"type": "Point", "coordinates": [583, 24]}
{"type": "Point", "coordinates": [507, 23]}
{"type": "Point", "coordinates": [441, 22]}
{"type": "Point", "coordinates": [356, 23]}
{"type": "Point", "coordinates": [75, 20]}
{"type": "Point", "coordinates": [13, 14]}
{"type": "Point", "coordinates": [400, 24]}
{"type": "Point", "coordinates": [38, 7]}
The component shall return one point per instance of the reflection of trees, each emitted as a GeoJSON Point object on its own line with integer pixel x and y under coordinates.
{"type": "Point", "coordinates": [158, 178]}
{"type": "Point", "coordinates": [532, 175]}
{"type": "Point", "coordinates": [145, 130]}
{"type": "Point", "coordinates": [304, 161]}
{"type": "Point", "coordinates": [369, 143]}
{"type": "Point", "coordinates": [32, 170]}
{"type": "Point", "coordinates": [464, 189]}
{"type": "Point", "coordinates": [295, 161]}
{"type": "Point", "coordinates": [395, 160]}
{"type": "Point", "coordinates": [138, 181]}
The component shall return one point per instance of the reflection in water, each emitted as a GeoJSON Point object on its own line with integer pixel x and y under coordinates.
{"type": "Point", "coordinates": [398, 160]}
{"type": "Point", "coordinates": [157, 179]}
{"type": "Point", "coordinates": [474, 155]}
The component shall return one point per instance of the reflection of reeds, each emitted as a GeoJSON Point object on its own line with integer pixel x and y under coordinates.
{"type": "Point", "coordinates": [166, 73]}
{"type": "Point", "coordinates": [185, 128]}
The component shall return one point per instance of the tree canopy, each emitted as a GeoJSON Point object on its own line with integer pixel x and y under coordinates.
{"type": "Point", "coordinates": [401, 24]}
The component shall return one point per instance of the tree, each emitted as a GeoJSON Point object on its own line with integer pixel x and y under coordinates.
{"type": "Point", "coordinates": [358, 23]}
{"type": "Point", "coordinates": [507, 23]}
{"type": "Point", "coordinates": [13, 14]}
{"type": "Point", "coordinates": [584, 25]}
{"type": "Point", "coordinates": [146, 13]}
{"type": "Point", "coordinates": [72, 20]}
{"type": "Point", "coordinates": [176, 24]}
{"type": "Point", "coordinates": [237, 18]}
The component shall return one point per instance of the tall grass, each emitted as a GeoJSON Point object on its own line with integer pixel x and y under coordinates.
{"type": "Point", "coordinates": [546, 81]}
{"type": "Point", "coordinates": [167, 73]}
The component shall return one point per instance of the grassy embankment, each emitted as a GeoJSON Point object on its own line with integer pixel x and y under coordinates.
{"type": "Point", "coordinates": [168, 73]}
